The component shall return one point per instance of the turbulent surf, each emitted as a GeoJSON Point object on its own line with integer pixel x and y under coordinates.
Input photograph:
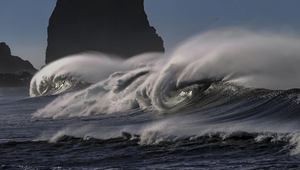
{"type": "Point", "coordinates": [232, 62]}
{"type": "Point", "coordinates": [223, 99]}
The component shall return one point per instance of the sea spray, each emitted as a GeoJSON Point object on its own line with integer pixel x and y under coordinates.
{"type": "Point", "coordinates": [236, 57]}
{"type": "Point", "coordinates": [203, 105]}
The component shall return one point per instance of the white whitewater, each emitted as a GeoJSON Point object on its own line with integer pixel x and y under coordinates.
{"type": "Point", "coordinates": [251, 59]}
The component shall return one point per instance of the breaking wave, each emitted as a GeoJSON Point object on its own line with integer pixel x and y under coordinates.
{"type": "Point", "coordinates": [225, 62]}
{"type": "Point", "coordinates": [74, 72]}
{"type": "Point", "coordinates": [219, 83]}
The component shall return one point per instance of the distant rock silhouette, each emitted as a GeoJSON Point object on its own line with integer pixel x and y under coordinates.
{"type": "Point", "coordinates": [110, 26]}
{"type": "Point", "coordinates": [13, 64]}
{"type": "Point", "coordinates": [13, 70]}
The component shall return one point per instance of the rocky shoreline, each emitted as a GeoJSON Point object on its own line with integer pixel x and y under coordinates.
{"type": "Point", "coordinates": [15, 80]}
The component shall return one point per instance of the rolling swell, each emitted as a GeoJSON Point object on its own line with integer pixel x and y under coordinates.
{"type": "Point", "coordinates": [119, 149]}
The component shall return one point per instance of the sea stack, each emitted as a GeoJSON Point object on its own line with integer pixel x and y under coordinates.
{"type": "Point", "coordinates": [13, 64]}
{"type": "Point", "coordinates": [118, 27]}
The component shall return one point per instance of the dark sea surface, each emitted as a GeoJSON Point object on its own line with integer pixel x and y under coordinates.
{"type": "Point", "coordinates": [226, 99]}
{"type": "Point", "coordinates": [139, 139]}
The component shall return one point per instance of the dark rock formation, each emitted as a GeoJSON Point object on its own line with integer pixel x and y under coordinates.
{"type": "Point", "coordinates": [13, 70]}
{"type": "Point", "coordinates": [13, 64]}
{"type": "Point", "coordinates": [4, 50]}
{"type": "Point", "coordinates": [110, 26]}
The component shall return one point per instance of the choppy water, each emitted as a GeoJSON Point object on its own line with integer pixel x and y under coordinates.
{"type": "Point", "coordinates": [223, 100]}
{"type": "Point", "coordinates": [212, 138]}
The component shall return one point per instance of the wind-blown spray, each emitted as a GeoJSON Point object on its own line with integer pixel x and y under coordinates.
{"type": "Point", "coordinates": [223, 84]}
{"type": "Point", "coordinates": [239, 57]}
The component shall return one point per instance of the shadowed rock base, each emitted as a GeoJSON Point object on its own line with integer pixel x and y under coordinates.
{"type": "Point", "coordinates": [15, 80]}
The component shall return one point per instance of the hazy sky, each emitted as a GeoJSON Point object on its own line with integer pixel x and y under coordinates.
{"type": "Point", "coordinates": [23, 23]}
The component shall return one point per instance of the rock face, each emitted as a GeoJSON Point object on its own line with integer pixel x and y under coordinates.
{"type": "Point", "coordinates": [13, 64]}
{"type": "Point", "coordinates": [110, 26]}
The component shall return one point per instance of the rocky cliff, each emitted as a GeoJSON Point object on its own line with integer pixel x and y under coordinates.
{"type": "Point", "coordinates": [13, 64]}
{"type": "Point", "coordinates": [13, 70]}
{"type": "Point", "coordinates": [110, 26]}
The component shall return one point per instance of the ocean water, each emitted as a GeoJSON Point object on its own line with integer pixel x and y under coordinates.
{"type": "Point", "coordinates": [225, 99]}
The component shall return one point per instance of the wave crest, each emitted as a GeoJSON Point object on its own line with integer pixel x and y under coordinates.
{"type": "Point", "coordinates": [74, 72]}
{"type": "Point", "coordinates": [210, 69]}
